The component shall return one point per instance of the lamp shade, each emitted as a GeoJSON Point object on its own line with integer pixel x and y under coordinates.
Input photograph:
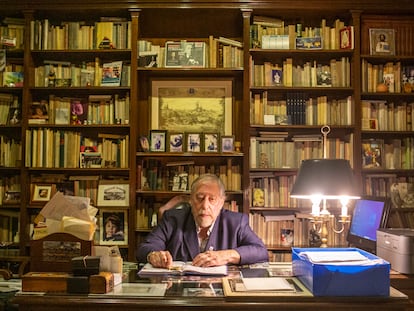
{"type": "Point", "coordinates": [329, 178]}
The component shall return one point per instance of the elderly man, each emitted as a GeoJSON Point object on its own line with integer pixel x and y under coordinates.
{"type": "Point", "coordinates": [203, 232]}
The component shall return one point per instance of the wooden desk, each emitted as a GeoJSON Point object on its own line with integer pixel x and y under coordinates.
{"type": "Point", "coordinates": [405, 284]}
{"type": "Point", "coordinates": [175, 300]}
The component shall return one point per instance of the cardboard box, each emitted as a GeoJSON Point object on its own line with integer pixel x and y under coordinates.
{"type": "Point", "coordinates": [44, 282]}
{"type": "Point", "coordinates": [339, 279]}
{"type": "Point", "coordinates": [396, 245]}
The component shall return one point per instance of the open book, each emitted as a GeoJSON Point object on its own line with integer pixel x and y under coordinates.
{"type": "Point", "coordinates": [180, 267]}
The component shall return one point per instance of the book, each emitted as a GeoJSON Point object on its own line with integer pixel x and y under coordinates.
{"type": "Point", "coordinates": [184, 268]}
{"type": "Point", "coordinates": [346, 37]}
{"type": "Point", "coordinates": [372, 151]}
{"type": "Point", "coordinates": [111, 74]}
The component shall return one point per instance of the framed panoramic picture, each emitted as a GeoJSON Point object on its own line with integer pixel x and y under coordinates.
{"type": "Point", "coordinates": [382, 41]}
{"type": "Point", "coordinates": [113, 227]}
{"type": "Point", "coordinates": [116, 194]}
{"type": "Point", "coordinates": [211, 142]}
{"type": "Point", "coordinates": [227, 143]}
{"type": "Point", "coordinates": [158, 140]}
{"type": "Point", "coordinates": [193, 142]}
{"type": "Point", "coordinates": [176, 142]}
{"type": "Point", "coordinates": [192, 106]}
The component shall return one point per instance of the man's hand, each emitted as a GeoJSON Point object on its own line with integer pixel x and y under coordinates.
{"type": "Point", "coordinates": [160, 259]}
{"type": "Point", "coordinates": [216, 258]}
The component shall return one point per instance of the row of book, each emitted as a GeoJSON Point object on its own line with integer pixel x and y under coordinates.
{"type": "Point", "coordinates": [108, 33]}
{"type": "Point", "coordinates": [178, 176]}
{"type": "Point", "coordinates": [388, 154]}
{"type": "Point", "coordinates": [337, 36]}
{"type": "Point", "coordinates": [270, 191]}
{"type": "Point", "coordinates": [93, 110]}
{"type": "Point", "coordinates": [10, 189]}
{"type": "Point", "coordinates": [12, 33]}
{"type": "Point", "coordinates": [382, 115]}
{"type": "Point", "coordinates": [380, 184]}
{"type": "Point", "coordinates": [57, 149]}
{"type": "Point", "coordinates": [300, 109]}
{"type": "Point", "coordinates": [265, 153]}
{"type": "Point", "coordinates": [10, 152]}
{"type": "Point", "coordinates": [336, 73]}
{"type": "Point", "coordinates": [398, 78]}
{"type": "Point", "coordinates": [9, 109]}
{"type": "Point", "coordinates": [213, 52]}
{"type": "Point", "coordinates": [66, 74]}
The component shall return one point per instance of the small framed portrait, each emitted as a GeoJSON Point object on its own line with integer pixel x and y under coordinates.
{"type": "Point", "coordinates": [193, 142]}
{"type": "Point", "coordinates": [143, 144]}
{"type": "Point", "coordinates": [176, 142]}
{"type": "Point", "coordinates": [113, 227]}
{"type": "Point", "coordinates": [211, 142]}
{"type": "Point", "coordinates": [382, 41]}
{"type": "Point", "coordinates": [227, 143]}
{"type": "Point", "coordinates": [41, 193]}
{"type": "Point", "coordinates": [115, 194]}
{"type": "Point", "coordinates": [158, 139]}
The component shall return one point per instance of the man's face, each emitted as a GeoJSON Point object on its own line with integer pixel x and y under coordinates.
{"type": "Point", "coordinates": [206, 204]}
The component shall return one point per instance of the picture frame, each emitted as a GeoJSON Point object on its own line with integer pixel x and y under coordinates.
{"type": "Point", "coordinates": [113, 194]}
{"type": "Point", "coordinates": [143, 144]}
{"type": "Point", "coordinates": [176, 142]}
{"type": "Point", "coordinates": [158, 140]}
{"type": "Point", "coordinates": [193, 142]}
{"type": "Point", "coordinates": [192, 105]}
{"type": "Point", "coordinates": [185, 54]}
{"type": "Point", "coordinates": [41, 193]}
{"type": "Point", "coordinates": [113, 225]}
{"type": "Point", "coordinates": [372, 153]}
{"type": "Point", "coordinates": [227, 143]}
{"type": "Point", "coordinates": [381, 41]}
{"type": "Point", "coordinates": [211, 142]}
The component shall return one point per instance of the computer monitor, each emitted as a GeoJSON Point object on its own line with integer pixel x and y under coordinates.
{"type": "Point", "coordinates": [369, 214]}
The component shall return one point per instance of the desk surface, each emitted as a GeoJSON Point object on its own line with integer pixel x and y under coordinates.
{"type": "Point", "coordinates": [195, 292]}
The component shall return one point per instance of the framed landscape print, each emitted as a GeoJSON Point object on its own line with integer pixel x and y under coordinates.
{"type": "Point", "coordinates": [113, 194]}
{"type": "Point", "coordinates": [192, 106]}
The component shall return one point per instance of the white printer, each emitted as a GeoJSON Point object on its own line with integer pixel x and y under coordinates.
{"type": "Point", "coordinates": [396, 245]}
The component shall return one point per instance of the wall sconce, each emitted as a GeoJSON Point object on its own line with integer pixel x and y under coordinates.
{"type": "Point", "coordinates": [325, 179]}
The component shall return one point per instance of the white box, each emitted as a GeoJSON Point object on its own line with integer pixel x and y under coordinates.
{"type": "Point", "coordinates": [396, 245]}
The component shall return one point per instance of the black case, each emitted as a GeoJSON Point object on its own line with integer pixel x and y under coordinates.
{"type": "Point", "coordinates": [85, 266]}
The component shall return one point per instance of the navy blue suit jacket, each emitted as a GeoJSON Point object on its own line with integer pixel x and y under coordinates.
{"type": "Point", "coordinates": [176, 233]}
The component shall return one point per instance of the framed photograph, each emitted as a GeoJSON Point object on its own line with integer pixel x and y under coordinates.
{"type": "Point", "coordinates": [116, 194]}
{"type": "Point", "coordinates": [193, 142]}
{"type": "Point", "coordinates": [227, 143]}
{"type": "Point", "coordinates": [185, 54]}
{"type": "Point", "coordinates": [143, 144]}
{"type": "Point", "coordinates": [176, 142]}
{"type": "Point", "coordinates": [113, 227]}
{"type": "Point", "coordinates": [381, 41]}
{"type": "Point", "coordinates": [211, 142]}
{"type": "Point", "coordinates": [372, 153]}
{"type": "Point", "coordinates": [41, 193]}
{"type": "Point", "coordinates": [158, 139]}
{"type": "Point", "coordinates": [192, 106]}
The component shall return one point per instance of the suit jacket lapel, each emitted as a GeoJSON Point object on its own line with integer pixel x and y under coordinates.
{"type": "Point", "coordinates": [190, 237]}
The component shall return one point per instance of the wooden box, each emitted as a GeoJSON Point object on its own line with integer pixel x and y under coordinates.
{"type": "Point", "coordinates": [101, 283]}
{"type": "Point", "coordinates": [44, 282]}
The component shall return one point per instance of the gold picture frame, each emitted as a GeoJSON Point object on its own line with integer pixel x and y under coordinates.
{"type": "Point", "coordinates": [42, 193]}
{"type": "Point", "coordinates": [192, 106]}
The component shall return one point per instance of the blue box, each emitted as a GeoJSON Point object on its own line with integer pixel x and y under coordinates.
{"type": "Point", "coordinates": [342, 280]}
